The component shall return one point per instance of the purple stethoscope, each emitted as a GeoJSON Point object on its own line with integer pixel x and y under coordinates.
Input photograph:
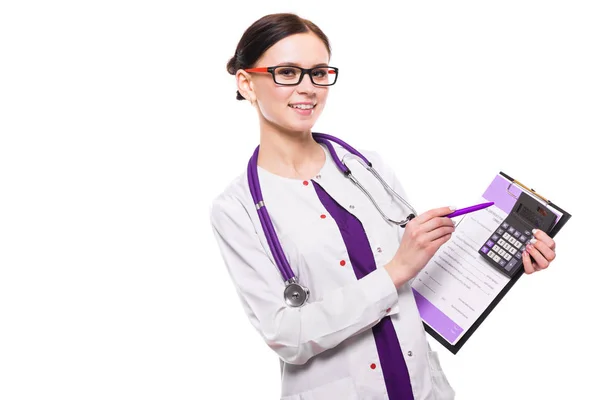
{"type": "Point", "coordinates": [296, 295]}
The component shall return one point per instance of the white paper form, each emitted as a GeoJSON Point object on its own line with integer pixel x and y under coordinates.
{"type": "Point", "coordinates": [457, 285]}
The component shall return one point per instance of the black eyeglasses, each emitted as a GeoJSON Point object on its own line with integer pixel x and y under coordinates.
{"type": "Point", "coordinates": [292, 76]}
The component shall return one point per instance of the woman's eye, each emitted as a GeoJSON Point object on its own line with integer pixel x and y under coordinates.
{"type": "Point", "coordinates": [320, 73]}
{"type": "Point", "coordinates": [287, 72]}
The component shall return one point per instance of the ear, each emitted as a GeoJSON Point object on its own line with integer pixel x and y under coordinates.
{"type": "Point", "coordinates": [244, 84]}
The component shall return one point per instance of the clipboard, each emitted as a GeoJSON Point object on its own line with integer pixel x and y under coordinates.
{"type": "Point", "coordinates": [503, 191]}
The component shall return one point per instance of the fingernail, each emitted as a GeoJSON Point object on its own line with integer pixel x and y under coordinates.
{"type": "Point", "coordinates": [533, 240]}
{"type": "Point", "coordinates": [534, 230]}
{"type": "Point", "coordinates": [452, 208]}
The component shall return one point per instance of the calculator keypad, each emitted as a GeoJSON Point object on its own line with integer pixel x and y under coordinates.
{"type": "Point", "coordinates": [503, 249]}
{"type": "Point", "coordinates": [505, 246]}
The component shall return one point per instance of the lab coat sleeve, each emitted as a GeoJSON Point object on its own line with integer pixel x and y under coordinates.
{"type": "Point", "coordinates": [295, 334]}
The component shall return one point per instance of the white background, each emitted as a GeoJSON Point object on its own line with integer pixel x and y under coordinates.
{"type": "Point", "coordinates": [119, 125]}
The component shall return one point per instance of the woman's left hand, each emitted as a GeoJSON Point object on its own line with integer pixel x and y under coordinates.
{"type": "Point", "coordinates": [539, 253]}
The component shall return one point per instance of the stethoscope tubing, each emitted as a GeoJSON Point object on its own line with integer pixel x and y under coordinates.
{"type": "Point", "coordinates": [325, 138]}
{"type": "Point", "coordinates": [265, 220]}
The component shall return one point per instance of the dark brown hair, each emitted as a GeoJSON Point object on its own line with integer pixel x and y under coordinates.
{"type": "Point", "coordinates": [264, 33]}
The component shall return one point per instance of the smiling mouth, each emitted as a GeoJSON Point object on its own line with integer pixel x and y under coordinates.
{"type": "Point", "coordinates": [302, 106]}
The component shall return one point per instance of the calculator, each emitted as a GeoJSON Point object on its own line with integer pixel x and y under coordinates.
{"type": "Point", "coordinates": [503, 249]}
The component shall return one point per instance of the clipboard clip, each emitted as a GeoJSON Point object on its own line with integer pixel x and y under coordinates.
{"type": "Point", "coordinates": [531, 191]}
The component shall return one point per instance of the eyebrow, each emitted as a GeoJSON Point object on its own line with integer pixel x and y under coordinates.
{"type": "Point", "coordinates": [293, 64]}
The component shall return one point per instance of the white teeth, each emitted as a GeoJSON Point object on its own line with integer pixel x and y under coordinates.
{"type": "Point", "coordinates": [303, 106]}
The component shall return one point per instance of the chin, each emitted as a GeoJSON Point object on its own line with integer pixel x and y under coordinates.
{"type": "Point", "coordinates": [300, 128]}
{"type": "Point", "coordinates": [302, 125]}
{"type": "Point", "coordinates": [296, 126]}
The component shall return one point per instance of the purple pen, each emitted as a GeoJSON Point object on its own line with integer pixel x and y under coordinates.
{"type": "Point", "coordinates": [470, 209]}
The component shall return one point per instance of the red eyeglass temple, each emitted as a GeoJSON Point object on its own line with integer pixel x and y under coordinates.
{"type": "Point", "coordinates": [331, 71]}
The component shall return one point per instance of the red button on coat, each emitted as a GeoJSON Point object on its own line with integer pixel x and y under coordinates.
{"type": "Point", "coordinates": [373, 366]}
{"type": "Point", "coordinates": [322, 216]}
{"type": "Point", "coordinates": [342, 263]}
{"type": "Point", "coordinates": [305, 183]}
{"type": "Point", "coordinates": [388, 310]}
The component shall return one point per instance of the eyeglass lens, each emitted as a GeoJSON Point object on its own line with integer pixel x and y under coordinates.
{"type": "Point", "coordinates": [291, 75]}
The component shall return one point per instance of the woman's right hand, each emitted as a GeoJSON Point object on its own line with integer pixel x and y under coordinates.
{"type": "Point", "coordinates": [423, 236]}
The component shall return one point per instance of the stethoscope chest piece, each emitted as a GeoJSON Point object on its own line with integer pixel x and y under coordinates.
{"type": "Point", "coordinates": [295, 295]}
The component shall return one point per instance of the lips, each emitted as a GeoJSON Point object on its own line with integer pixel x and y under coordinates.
{"type": "Point", "coordinates": [302, 106]}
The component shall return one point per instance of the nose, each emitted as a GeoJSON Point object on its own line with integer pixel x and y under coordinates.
{"type": "Point", "coordinates": [305, 85]}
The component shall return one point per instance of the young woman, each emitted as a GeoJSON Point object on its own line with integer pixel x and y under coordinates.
{"type": "Point", "coordinates": [357, 333]}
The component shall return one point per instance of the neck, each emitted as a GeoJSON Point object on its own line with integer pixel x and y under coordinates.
{"type": "Point", "coordinates": [290, 154]}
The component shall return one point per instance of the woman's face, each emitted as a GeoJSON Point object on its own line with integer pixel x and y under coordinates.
{"type": "Point", "coordinates": [279, 105]}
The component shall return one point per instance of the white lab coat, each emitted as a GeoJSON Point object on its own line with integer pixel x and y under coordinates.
{"type": "Point", "coordinates": [326, 347]}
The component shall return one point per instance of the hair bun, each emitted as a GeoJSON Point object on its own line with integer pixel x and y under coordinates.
{"type": "Point", "coordinates": [231, 65]}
